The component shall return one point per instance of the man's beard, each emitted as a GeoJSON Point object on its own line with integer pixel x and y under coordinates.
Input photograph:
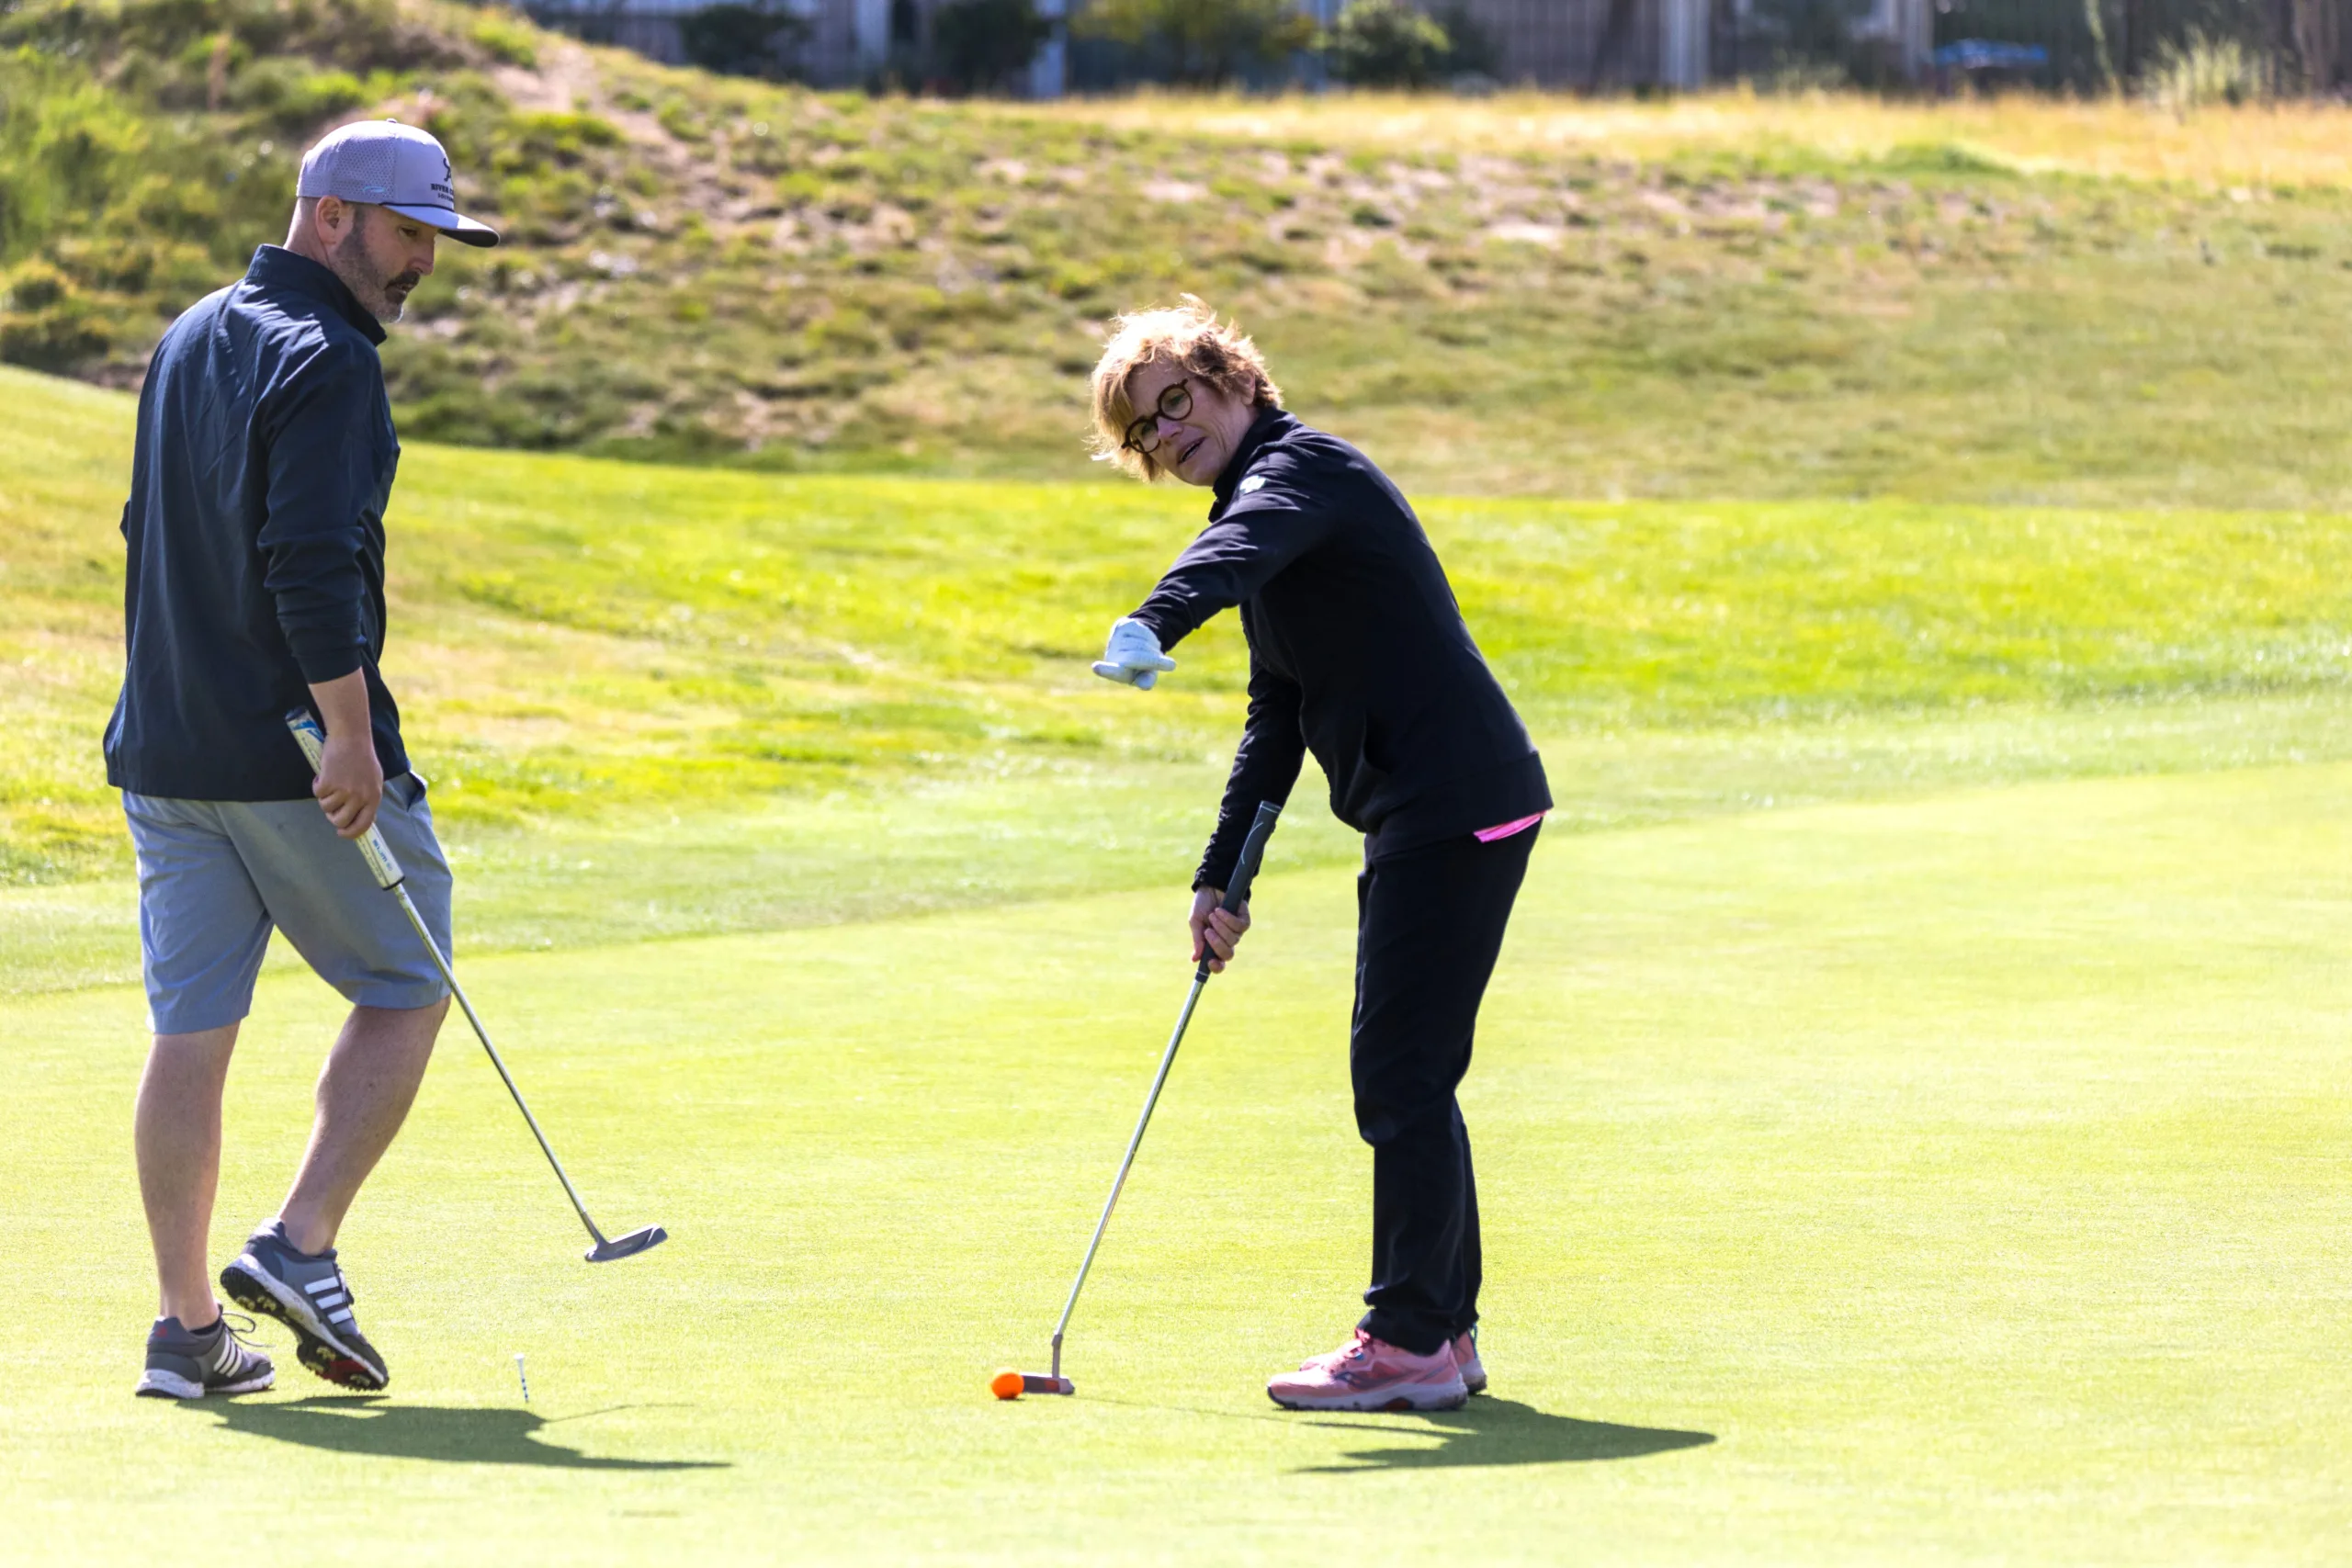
{"type": "Point", "coordinates": [386, 299]}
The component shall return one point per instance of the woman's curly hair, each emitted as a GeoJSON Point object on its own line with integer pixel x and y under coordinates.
{"type": "Point", "coordinates": [1188, 334]}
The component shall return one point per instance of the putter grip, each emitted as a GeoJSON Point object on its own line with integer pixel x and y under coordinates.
{"type": "Point", "coordinates": [1253, 852]}
{"type": "Point", "coordinates": [372, 848]}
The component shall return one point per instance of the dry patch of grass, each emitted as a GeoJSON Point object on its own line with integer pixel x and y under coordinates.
{"type": "Point", "coordinates": [2299, 143]}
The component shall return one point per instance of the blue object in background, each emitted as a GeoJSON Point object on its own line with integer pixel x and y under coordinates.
{"type": "Point", "coordinates": [1982, 55]}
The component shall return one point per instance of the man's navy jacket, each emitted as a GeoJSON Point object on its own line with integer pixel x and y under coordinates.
{"type": "Point", "coordinates": [1357, 653]}
{"type": "Point", "coordinates": [256, 528]}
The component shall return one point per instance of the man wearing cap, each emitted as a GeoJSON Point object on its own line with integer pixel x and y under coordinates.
{"type": "Point", "coordinates": [255, 585]}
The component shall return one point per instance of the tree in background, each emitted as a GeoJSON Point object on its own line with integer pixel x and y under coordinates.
{"type": "Point", "coordinates": [1205, 43]}
{"type": "Point", "coordinates": [1388, 43]}
{"type": "Point", "coordinates": [977, 43]}
{"type": "Point", "coordinates": [741, 37]}
{"type": "Point", "coordinates": [1788, 45]}
{"type": "Point", "coordinates": [1471, 49]}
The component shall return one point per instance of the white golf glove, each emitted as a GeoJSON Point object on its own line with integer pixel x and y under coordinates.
{"type": "Point", "coordinates": [1132, 654]}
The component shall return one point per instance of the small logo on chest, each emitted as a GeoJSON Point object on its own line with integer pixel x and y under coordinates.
{"type": "Point", "coordinates": [1253, 483]}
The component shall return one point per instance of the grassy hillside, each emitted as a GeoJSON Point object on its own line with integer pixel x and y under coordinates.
{"type": "Point", "coordinates": [1730, 299]}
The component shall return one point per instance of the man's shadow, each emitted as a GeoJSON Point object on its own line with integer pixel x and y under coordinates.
{"type": "Point", "coordinates": [356, 1424]}
{"type": "Point", "coordinates": [1498, 1432]}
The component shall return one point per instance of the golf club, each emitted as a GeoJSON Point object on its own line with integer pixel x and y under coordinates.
{"type": "Point", "coordinates": [389, 876]}
{"type": "Point", "coordinates": [1253, 850]}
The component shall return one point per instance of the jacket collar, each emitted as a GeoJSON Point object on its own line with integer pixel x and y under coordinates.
{"type": "Point", "coordinates": [275, 267]}
{"type": "Point", "coordinates": [1270, 425]}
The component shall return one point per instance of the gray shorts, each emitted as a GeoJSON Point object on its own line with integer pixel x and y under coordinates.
{"type": "Point", "coordinates": [215, 877]}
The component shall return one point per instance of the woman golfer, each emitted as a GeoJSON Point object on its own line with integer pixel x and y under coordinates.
{"type": "Point", "coordinates": [1358, 654]}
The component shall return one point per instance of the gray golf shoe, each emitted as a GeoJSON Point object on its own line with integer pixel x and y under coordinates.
{"type": "Point", "coordinates": [306, 1291]}
{"type": "Point", "coordinates": [185, 1364]}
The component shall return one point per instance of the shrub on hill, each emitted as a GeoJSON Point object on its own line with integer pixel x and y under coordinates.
{"type": "Point", "coordinates": [979, 44]}
{"type": "Point", "coordinates": [1388, 43]}
{"type": "Point", "coordinates": [1203, 43]}
{"type": "Point", "coordinates": [739, 39]}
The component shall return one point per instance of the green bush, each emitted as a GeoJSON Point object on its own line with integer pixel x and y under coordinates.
{"type": "Point", "coordinates": [979, 43]}
{"type": "Point", "coordinates": [47, 323]}
{"type": "Point", "coordinates": [1471, 48]}
{"type": "Point", "coordinates": [1202, 42]}
{"type": "Point", "coordinates": [507, 40]}
{"type": "Point", "coordinates": [293, 95]}
{"type": "Point", "coordinates": [565, 139]}
{"type": "Point", "coordinates": [65, 146]}
{"type": "Point", "coordinates": [1388, 43]}
{"type": "Point", "coordinates": [736, 38]}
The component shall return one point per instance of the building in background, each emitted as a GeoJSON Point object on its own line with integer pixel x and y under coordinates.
{"type": "Point", "coordinates": [829, 42]}
{"type": "Point", "coordinates": [1549, 43]}
{"type": "Point", "coordinates": [1584, 45]}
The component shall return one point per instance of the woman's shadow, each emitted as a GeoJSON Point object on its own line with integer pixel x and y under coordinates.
{"type": "Point", "coordinates": [356, 1424]}
{"type": "Point", "coordinates": [1499, 1431]}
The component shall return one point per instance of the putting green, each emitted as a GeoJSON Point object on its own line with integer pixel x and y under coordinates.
{"type": "Point", "coordinates": [1954, 1180]}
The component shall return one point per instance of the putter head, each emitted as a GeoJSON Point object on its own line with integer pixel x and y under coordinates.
{"type": "Point", "coordinates": [1039, 1382]}
{"type": "Point", "coordinates": [627, 1245]}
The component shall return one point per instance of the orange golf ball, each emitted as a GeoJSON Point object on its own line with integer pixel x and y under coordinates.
{"type": "Point", "coordinates": [1005, 1385]}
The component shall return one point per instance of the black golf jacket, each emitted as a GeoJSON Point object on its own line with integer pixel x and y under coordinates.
{"type": "Point", "coordinates": [256, 529]}
{"type": "Point", "coordinates": [1357, 653]}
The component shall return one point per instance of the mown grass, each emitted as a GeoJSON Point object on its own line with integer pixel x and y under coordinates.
{"type": "Point", "coordinates": [1946, 1182]}
{"type": "Point", "coordinates": [1732, 296]}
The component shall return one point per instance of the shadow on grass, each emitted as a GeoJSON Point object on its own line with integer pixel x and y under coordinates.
{"type": "Point", "coordinates": [1498, 1432]}
{"type": "Point", "coordinates": [356, 1424]}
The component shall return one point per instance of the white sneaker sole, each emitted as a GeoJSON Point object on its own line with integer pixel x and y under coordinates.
{"type": "Point", "coordinates": [170, 1385]}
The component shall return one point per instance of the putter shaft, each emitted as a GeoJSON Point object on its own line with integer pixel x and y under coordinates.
{"type": "Point", "coordinates": [449, 978]}
{"type": "Point", "coordinates": [1245, 872]}
{"type": "Point", "coordinates": [386, 869]}
{"type": "Point", "coordinates": [1126, 1162]}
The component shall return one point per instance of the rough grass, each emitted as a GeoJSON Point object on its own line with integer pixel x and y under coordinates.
{"type": "Point", "coordinates": [662, 702]}
{"type": "Point", "coordinates": [1732, 296]}
{"type": "Point", "coordinates": [575, 639]}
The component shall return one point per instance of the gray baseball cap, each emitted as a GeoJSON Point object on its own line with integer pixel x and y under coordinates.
{"type": "Point", "coordinates": [386, 163]}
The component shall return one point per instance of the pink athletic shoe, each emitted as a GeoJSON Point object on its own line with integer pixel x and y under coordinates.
{"type": "Point", "coordinates": [1372, 1374]}
{"type": "Point", "coordinates": [1474, 1370]}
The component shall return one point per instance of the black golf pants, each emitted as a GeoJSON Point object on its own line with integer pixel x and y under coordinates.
{"type": "Point", "coordinates": [1429, 926]}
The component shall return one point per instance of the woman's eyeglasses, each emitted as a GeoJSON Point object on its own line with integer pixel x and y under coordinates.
{"type": "Point", "coordinates": [1175, 403]}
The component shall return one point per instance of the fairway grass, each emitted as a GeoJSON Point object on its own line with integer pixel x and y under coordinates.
{"type": "Point", "coordinates": [1954, 1179]}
